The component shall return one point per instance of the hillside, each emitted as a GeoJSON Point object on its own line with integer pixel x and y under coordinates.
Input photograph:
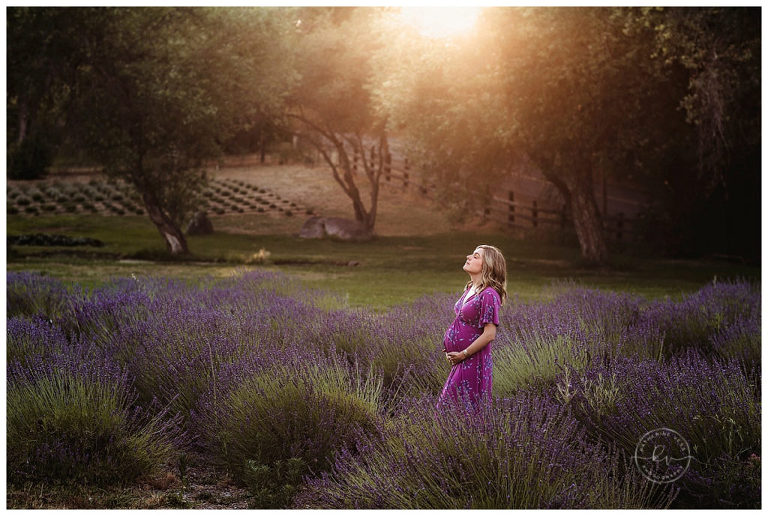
{"type": "Point", "coordinates": [401, 212]}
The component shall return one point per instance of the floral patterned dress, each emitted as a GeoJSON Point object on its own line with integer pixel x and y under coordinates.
{"type": "Point", "coordinates": [471, 379]}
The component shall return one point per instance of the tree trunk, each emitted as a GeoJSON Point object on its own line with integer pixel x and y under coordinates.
{"type": "Point", "coordinates": [576, 187]}
{"type": "Point", "coordinates": [586, 221]}
{"type": "Point", "coordinates": [23, 122]}
{"type": "Point", "coordinates": [343, 170]}
{"type": "Point", "coordinates": [174, 238]}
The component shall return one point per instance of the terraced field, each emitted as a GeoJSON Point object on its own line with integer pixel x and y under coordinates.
{"type": "Point", "coordinates": [99, 196]}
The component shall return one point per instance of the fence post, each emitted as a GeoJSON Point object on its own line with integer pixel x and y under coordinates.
{"type": "Point", "coordinates": [535, 214]}
{"type": "Point", "coordinates": [511, 215]}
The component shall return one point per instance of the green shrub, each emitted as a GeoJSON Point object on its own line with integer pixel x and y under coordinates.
{"type": "Point", "coordinates": [534, 362]}
{"type": "Point", "coordinates": [79, 426]}
{"type": "Point", "coordinates": [520, 453]}
{"type": "Point", "coordinates": [286, 420]}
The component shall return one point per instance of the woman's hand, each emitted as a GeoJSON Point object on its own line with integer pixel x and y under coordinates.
{"type": "Point", "coordinates": [454, 357]}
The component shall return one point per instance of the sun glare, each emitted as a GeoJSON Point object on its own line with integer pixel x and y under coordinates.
{"type": "Point", "coordinates": [441, 22]}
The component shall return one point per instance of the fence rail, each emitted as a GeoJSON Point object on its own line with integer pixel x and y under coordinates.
{"type": "Point", "coordinates": [507, 211]}
{"type": "Point", "coordinates": [528, 215]}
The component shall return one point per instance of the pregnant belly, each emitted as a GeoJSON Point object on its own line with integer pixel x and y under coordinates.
{"type": "Point", "coordinates": [458, 337]}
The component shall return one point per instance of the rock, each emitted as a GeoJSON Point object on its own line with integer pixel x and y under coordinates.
{"type": "Point", "coordinates": [313, 228]}
{"type": "Point", "coordinates": [335, 228]}
{"type": "Point", "coordinates": [200, 224]}
{"type": "Point", "coordinates": [346, 229]}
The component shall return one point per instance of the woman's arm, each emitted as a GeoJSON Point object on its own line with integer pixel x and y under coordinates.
{"type": "Point", "coordinates": [489, 333]}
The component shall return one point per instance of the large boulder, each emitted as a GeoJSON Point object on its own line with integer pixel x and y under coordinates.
{"type": "Point", "coordinates": [313, 228]}
{"type": "Point", "coordinates": [335, 228]}
{"type": "Point", "coordinates": [200, 224]}
{"type": "Point", "coordinates": [346, 229]}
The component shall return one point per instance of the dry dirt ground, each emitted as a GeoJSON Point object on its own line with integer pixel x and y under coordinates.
{"type": "Point", "coordinates": [401, 211]}
{"type": "Point", "coordinates": [204, 487]}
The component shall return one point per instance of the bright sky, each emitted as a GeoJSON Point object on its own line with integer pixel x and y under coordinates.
{"type": "Point", "coordinates": [441, 22]}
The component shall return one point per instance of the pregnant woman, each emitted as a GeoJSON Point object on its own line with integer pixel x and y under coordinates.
{"type": "Point", "coordinates": [467, 342]}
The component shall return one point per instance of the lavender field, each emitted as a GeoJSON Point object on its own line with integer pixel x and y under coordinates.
{"type": "Point", "coordinates": [311, 406]}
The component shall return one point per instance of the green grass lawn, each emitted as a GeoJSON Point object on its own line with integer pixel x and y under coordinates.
{"type": "Point", "coordinates": [391, 270]}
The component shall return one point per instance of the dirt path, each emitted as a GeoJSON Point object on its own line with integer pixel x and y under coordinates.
{"type": "Point", "coordinates": [206, 487]}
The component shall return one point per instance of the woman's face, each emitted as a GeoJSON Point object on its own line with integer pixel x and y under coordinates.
{"type": "Point", "coordinates": [474, 264]}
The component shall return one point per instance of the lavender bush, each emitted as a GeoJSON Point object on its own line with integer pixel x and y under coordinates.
{"type": "Point", "coordinates": [292, 406]}
{"type": "Point", "coordinates": [287, 388]}
{"type": "Point", "coordinates": [524, 452]}
{"type": "Point", "coordinates": [711, 403]}
{"type": "Point", "coordinates": [71, 414]}
{"type": "Point", "coordinates": [706, 320]}
{"type": "Point", "coordinates": [30, 294]}
{"type": "Point", "coordinates": [173, 337]}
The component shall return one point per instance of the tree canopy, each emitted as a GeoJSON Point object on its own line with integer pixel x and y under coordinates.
{"type": "Point", "coordinates": [664, 97]}
{"type": "Point", "coordinates": [579, 90]}
{"type": "Point", "coordinates": [152, 92]}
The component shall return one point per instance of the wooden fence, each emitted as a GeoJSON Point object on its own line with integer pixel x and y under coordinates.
{"type": "Point", "coordinates": [504, 210]}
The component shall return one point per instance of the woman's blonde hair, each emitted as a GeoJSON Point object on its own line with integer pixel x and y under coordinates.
{"type": "Point", "coordinates": [494, 273]}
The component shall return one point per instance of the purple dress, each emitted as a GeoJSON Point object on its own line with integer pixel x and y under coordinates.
{"type": "Point", "coordinates": [472, 377]}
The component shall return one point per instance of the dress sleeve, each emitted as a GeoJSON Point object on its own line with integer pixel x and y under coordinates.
{"type": "Point", "coordinates": [490, 304]}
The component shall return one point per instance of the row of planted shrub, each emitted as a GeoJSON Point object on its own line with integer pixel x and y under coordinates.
{"type": "Point", "coordinates": [119, 198]}
{"type": "Point", "coordinates": [316, 406]}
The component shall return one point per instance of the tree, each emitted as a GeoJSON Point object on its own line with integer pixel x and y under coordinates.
{"type": "Point", "coordinates": [331, 101]}
{"type": "Point", "coordinates": [559, 86]}
{"type": "Point", "coordinates": [574, 89]}
{"type": "Point", "coordinates": [707, 175]}
{"type": "Point", "coordinates": [42, 59]}
{"type": "Point", "coordinates": [155, 90]}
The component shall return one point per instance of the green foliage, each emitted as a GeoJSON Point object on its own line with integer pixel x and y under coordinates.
{"type": "Point", "coordinates": [155, 93]}
{"type": "Point", "coordinates": [534, 361]}
{"type": "Point", "coordinates": [273, 487]}
{"type": "Point", "coordinates": [426, 459]}
{"type": "Point", "coordinates": [580, 91]}
{"type": "Point", "coordinates": [89, 421]}
{"type": "Point", "coordinates": [331, 102]}
{"type": "Point", "coordinates": [286, 421]}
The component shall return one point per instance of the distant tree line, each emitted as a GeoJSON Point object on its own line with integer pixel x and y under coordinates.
{"type": "Point", "coordinates": [667, 98]}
